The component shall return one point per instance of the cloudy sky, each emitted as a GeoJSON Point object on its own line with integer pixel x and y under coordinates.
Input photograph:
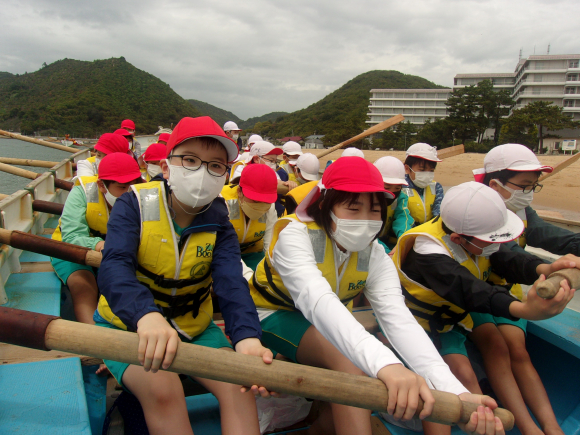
{"type": "Point", "coordinates": [257, 56]}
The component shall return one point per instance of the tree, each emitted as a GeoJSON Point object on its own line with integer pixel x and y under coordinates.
{"type": "Point", "coordinates": [436, 133]}
{"type": "Point", "coordinates": [495, 105]}
{"type": "Point", "coordinates": [465, 115]}
{"type": "Point", "coordinates": [538, 115]}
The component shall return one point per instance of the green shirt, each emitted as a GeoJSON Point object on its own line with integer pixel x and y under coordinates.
{"type": "Point", "coordinates": [73, 222]}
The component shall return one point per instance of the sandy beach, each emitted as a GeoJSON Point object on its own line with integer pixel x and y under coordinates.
{"type": "Point", "coordinates": [560, 195]}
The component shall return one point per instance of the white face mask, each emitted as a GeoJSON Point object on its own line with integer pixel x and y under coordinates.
{"type": "Point", "coordinates": [194, 188]}
{"type": "Point", "coordinates": [269, 164]}
{"type": "Point", "coordinates": [109, 197]}
{"type": "Point", "coordinates": [422, 179]}
{"type": "Point", "coordinates": [235, 136]}
{"type": "Point", "coordinates": [153, 170]}
{"type": "Point", "coordinates": [488, 250]}
{"type": "Point", "coordinates": [353, 234]}
{"type": "Point", "coordinates": [518, 199]}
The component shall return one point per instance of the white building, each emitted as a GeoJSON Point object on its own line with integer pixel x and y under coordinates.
{"type": "Point", "coordinates": [500, 80]}
{"type": "Point", "coordinates": [314, 141]}
{"type": "Point", "coordinates": [416, 105]}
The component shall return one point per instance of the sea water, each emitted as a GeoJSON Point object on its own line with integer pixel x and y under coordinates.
{"type": "Point", "coordinates": [25, 150]}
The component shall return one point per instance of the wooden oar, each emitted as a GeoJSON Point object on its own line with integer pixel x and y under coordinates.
{"type": "Point", "coordinates": [549, 288]}
{"type": "Point", "coordinates": [61, 184]}
{"type": "Point", "coordinates": [38, 141]}
{"type": "Point", "coordinates": [562, 165]}
{"type": "Point", "coordinates": [52, 248]}
{"type": "Point", "coordinates": [374, 129]}
{"type": "Point", "coordinates": [44, 332]}
{"type": "Point", "coordinates": [30, 162]}
{"type": "Point", "coordinates": [445, 153]}
{"type": "Point", "coordinates": [42, 206]}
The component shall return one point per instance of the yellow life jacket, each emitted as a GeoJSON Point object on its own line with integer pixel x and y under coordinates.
{"type": "Point", "coordinates": [97, 214]}
{"type": "Point", "coordinates": [289, 171]}
{"type": "Point", "coordinates": [522, 239]}
{"type": "Point", "coordinates": [434, 313]}
{"type": "Point", "coordinates": [298, 194]}
{"type": "Point", "coordinates": [93, 161]}
{"type": "Point", "coordinates": [267, 286]}
{"type": "Point", "coordinates": [235, 166]}
{"type": "Point", "coordinates": [421, 209]}
{"type": "Point", "coordinates": [179, 281]}
{"type": "Point", "coordinates": [250, 233]}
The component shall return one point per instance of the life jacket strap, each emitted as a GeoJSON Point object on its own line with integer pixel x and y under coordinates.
{"type": "Point", "coordinates": [182, 304]}
{"type": "Point", "coordinates": [161, 281]}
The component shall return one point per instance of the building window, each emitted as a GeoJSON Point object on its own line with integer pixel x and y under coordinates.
{"type": "Point", "coordinates": [568, 103]}
{"type": "Point", "coordinates": [570, 90]}
{"type": "Point", "coordinates": [572, 64]}
{"type": "Point", "coordinates": [572, 78]}
{"type": "Point", "coordinates": [537, 77]}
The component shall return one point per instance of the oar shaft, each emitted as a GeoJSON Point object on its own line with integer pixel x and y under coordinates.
{"type": "Point", "coordinates": [232, 367]}
{"type": "Point", "coordinates": [61, 184]}
{"type": "Point", "coordinates": [549, 288]}
{"type": "Point", "coordinates": [47, 207]}
{"type": "Point", "coordinates": [374, 129]}
{"type": "Point", "coordinates": [52, 248]}
{"type": "Point", "coordinates": [560, 166]}
{"type": "Point", "coordinates": [28, 162]}
{"type": "Point", "coordinates": [38, 141]}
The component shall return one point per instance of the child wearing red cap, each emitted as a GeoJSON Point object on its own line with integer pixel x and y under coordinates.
{"type": "Point", "coordinates": [252, 212]}
{"type": "Point", "coordinates": [84, 222]}
{"type": "Point", "coordinates": [107, 144]}
{"type": "Point", "coordinates": [171, 242]}
{"type": "Point", "coordinates": [163, 138]}
{"type": "Point", "coordinates": [153, 156]}
{"type": "Point", "coordinates": [425, 195]}
{"type": "Point", "coordinates": [451, 266]}
{"type": "Point", "coordinates": [318, 261]}
{"type": "Point", "coordinates": [513, 170]}
{"type": "Point", "coordinates": [129, 126]}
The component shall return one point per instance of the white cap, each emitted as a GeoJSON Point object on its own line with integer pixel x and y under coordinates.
{"type": "Point", "coordinates": [292, 148]}
{"type": "Point", "coordinates": [474, 209]}
{"type": "Point", "coordinates": [423, 151]}
{"type": "Point", "coordinates": [231, 125]}
{"type": "Point", "coordinates": [392, 170]}
{"type": "Point", "coordinates": [254, 138]}
{"type": "Point", "coordinates": [309, 167]}
{"type": "Point", "coordinates": [263, 148]}
{"type": "Point", "coordinates": [352, 151]}
{"type": "Point", "coordinates": [514, 157]}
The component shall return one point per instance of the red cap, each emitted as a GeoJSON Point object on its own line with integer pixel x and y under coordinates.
{"type": "Point", "coordinates": [112, 143]}
{"type": "Point", "coordinates": [119, 167]}
{"type": "Point", "coordinates": [204, 126]}
{"type": "Point", "coordinates": [127, 123]}
{"type": "Point", "coordinates": [123, 132]}
{"type": "Point", "coordinates": [164, 137]}
{"type": "Point", "coordinates": [259, 183]}
{"type": "Point", "coordinates": [155, 153]}
{"type": "Point", "coordinates": [354, 174]}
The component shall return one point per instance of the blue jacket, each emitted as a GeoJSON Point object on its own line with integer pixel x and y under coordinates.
{"type": "Point", "coordinates": [130, 300]}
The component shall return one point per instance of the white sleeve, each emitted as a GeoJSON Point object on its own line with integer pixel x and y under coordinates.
{"type": "Point", "coordinates": [408, 338]}
{"type": "Point", "coordinates": [425, 245]}
{"type": "Point", "coordinates": [238, 171]}
{"type": "Point", "coordinates": [85, 169]}
{"type": "Point", "coordinates": [271, 218]}
{"type": "Point", "coordinates": [293, 259]}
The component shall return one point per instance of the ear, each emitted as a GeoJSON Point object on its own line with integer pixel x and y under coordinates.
{"type": "Point", "coordinates": [101, 186]}
{"type": "Point", "coordinates": [240, 194]}
{"type": "Point", "coordinates": [494, 185]}
{"type": "Point", "coordinates": [256, 159]}
{"type": "Point", "coordinates": [407, 169]}
{"type": "Point", "coordinates": [455, 238]}
{"type": "Point", "coordinates": [164, 169]}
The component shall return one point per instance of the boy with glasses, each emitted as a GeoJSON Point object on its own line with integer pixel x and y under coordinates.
{"type": "Point", "coordinates": [169, 243]}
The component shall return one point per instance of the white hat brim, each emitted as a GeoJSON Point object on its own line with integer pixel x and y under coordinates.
{"type": "Point", "coordinates": [531, 168]}
{"type": "Point", "coordinates": [511, 230]}
{"type": "Point", "coordinates": [308, 176]}
{"type": "Point", "coordinates": [395, 181]}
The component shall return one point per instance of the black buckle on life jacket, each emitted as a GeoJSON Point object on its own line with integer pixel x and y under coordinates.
{"type": "Point", "coordinates": [161, 281]}
{"type": "Point", "coordinates": [180, 305]}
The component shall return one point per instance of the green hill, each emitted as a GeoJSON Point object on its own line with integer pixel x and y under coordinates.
{"type": "Point", "coordinates": [250, 122]}
{"type": "Point", "coordinates": [88, 99]}
{"type": "Point", "coordinates": [341, 114]}
{"type": "Point", "coordinates": [220, 116]}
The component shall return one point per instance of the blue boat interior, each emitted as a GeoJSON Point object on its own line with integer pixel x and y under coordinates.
{"type": "Point", "coordinates": [61, 396]}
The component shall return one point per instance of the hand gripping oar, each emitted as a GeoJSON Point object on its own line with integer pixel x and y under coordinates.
{"type": "Point", "coordinates": [44, 332]}
{"type": "Point", "coordinates": [374, 129]}
{"type": "Point", "coordinates": [51, 248]}
{"type": "Point", "coordinates": [38, 141]}
{"type": "Point", "coordinates": [61, 184]}
{"type": "Point", "coordinates": [549, 288]}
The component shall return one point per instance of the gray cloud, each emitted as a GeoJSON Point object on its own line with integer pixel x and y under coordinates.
{"type": "Point", "coordinates": [259, 56]}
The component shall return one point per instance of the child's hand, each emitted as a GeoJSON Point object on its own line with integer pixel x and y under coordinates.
{"type": "Point", "coordinates": [100, 246]}
{"type": "Point", "coordinates": [158, 342]}
{"type": "Point", "coordinates": [537, 308]}
{"type": "Point", "coordinates": [568, 261]}
{"type": "Point", "coordinates": [405, 388]}
{"type": "Point", "coordinates": [253, 346]}
{"type": "Point", "coordinates": [482, 422]}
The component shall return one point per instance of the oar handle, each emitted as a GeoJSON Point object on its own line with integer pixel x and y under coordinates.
{"type": "Point", "coordinates": [52, 248]}
{"type": "Point", "coordinates": [549, 288]}
{"type": "Point", "coordinates": [47, 207]}
{"type": "Point", "coordinates": [232, 367]}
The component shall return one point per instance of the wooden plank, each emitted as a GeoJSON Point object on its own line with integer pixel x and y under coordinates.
{"type": "Point", "coordinates": [48, 231]}
{"type": "Point", "coordinates": [562, 221]}
{"type": "Point", "coordinates": [10, 354]}
{"type": "Point", "coordinates": [36, 266]}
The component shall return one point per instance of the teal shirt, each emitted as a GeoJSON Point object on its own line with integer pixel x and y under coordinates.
{"type": "Point", "coordinates": [73, 222]}
{"type": "Point", "coordinates": [402, 221]}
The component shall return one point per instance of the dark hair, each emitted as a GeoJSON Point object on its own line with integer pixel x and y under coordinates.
{"type": "Point", "coordinates": [448, 231]}
{"type": "Point", "coordinates": [411, 160]}
{"type": "Point", "coordinates": [503, 176]}
{"type": "Point", "coordinates": [320, 209]}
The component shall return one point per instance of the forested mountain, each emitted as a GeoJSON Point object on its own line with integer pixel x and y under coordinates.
{"type": "Point", "coordinates": [88, 98]}
{"type": "Point", "coordinates": [220, 116]}
{"type": "Point", "coordinates": [251, 122]}
{"type": "Point", "coordinates": [341, 114]}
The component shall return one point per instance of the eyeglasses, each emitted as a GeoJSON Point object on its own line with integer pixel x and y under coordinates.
{"type": "Point", "coordinates": [529, 188]}
{"type": "Point", "coordinates": [193, 163]}
{"type": "Point", "coordinates": [269, 160]}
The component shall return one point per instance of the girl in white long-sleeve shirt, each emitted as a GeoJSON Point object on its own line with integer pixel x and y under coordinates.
{"type": "Point", "coordinates": [318, 261]}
